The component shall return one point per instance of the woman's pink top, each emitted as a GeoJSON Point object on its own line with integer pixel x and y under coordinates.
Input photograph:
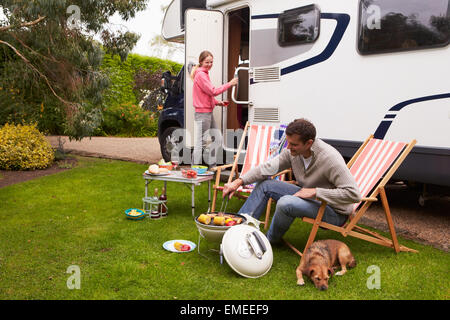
{"type": "Point", "coordinates": [204, 91]}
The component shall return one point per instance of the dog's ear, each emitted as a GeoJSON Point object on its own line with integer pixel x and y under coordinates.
{"type": "Point", "coordinates": [330, 272]}
{"type": "Point", "coordinates": [311, 272]}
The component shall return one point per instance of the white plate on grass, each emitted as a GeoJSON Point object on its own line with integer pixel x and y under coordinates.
{"type": "Point", "coordinates": [168, 245]}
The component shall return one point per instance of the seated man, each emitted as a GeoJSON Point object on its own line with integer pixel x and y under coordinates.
{"type": "Point", "coordinates": [320, 172]}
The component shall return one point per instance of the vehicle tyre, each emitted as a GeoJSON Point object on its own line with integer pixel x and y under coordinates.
{"type": "Point", "coordinates": [167, 143]}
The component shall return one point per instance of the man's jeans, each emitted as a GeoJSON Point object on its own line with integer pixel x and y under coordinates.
{"type": "Point", "coordinates": [288, 207]}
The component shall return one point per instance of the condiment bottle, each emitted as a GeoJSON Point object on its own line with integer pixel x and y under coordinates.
{"type": "Point", "coordinates": [155, 210]}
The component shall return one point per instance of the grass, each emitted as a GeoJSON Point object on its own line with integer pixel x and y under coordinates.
{"type": "Point", "coordinates": [76, 217]}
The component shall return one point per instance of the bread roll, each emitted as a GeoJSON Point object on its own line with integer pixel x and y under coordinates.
{"type": "Point", "coordinates": [154, 168]}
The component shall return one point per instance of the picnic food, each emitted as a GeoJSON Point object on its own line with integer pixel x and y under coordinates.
{"type": "Point", "coordinates": [154, 169]}
{"type": "Point", "coordinates": [230, 222]}
{"type": "Point", "coordinates": [163, 170]}
{"type": "Point", "coordinates": [163, 163]}
{"type": "Point", "coordinates": [181, 247]}
{"type": "Point", "coordinates": [134, 213]}
{"type": "Point", "coordinates": [189, 173]}
{"type": "Point", "coordinates": [219, 221]}
{"type": "Point", "coordinates": [205, 219]}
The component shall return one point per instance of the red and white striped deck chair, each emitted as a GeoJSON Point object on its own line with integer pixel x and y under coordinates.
{"type": "Point", "coordinates": [264, 142]}
{"type": "Point", "coordinates": [372, 166]}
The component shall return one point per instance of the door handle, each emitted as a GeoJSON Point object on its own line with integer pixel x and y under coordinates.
{"type": "Point", "coordinates": [233, 90]}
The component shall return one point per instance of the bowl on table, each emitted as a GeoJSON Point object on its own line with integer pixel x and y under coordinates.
{"type": "Point", "coordinates": [200, 169]}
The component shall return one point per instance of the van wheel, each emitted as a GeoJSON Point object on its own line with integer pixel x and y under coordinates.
{"type": "Point", "coordinates": [168, 143]}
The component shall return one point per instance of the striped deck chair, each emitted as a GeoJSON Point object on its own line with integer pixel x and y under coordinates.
{"type": "Point", "coordinates": [372, 166]}
{"type": "Point", "coordinates": [264, 142]}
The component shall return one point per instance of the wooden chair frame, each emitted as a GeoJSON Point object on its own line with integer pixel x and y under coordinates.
{"type": "Point", "coordinates": [350, 228]}
{"type": "Point", "coordinates": [234, 171]}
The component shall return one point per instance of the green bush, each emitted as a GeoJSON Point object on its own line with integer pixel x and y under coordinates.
{"type": "Point", "coordinates": [23, 147]}
{"type": "Point", "coordinates": [128, 119]}
{"type": "Point", "coordinates": [122, 75]}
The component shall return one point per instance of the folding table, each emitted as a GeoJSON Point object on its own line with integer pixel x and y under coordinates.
{"type": "Point", "coordinates": [176, 176]}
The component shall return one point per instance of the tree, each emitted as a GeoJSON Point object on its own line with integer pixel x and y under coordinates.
{"type": "Point", "coordinates": [163, 48]}
{"type": "Point", "coordinates": [50, 61]}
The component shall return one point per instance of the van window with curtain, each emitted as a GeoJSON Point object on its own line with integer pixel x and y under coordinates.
{"type": "Point", "coordinates": [299, 26]}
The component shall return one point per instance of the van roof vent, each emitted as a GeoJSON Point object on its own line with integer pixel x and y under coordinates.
{"type": "Point", "coordinates": [266, 114]}
{"type": "Point", "coordinates": [266, 74]}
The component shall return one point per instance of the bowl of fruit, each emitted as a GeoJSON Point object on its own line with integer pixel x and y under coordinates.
{"type": "Point", "coordinates": [135, 214]}
{"type": "Point", "coordinates": [200, 169]}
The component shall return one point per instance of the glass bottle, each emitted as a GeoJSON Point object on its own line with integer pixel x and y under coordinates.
{"type": "Point", "coordinates": [162, 207]}
{"type": "Point", "coordinates": [155, 210]}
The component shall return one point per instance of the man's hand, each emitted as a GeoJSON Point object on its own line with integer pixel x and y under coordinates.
{"type": "Point", "coordinates": [230, 188]}
{"type": "Point", "coordinates": [306, 193]}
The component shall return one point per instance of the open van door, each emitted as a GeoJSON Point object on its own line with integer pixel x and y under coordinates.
{"type": "Point", "coordinates": [203, 31]}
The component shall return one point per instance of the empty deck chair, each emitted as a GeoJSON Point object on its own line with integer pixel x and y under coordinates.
{"type": "Point", "coordinates": [372, 166]}
{"type": "Point", "coordinates": [264, 142]}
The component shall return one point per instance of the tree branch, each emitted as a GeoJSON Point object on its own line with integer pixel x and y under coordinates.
{"type": "Point", "coordinates": [25, 24]}
{"type": "Point", "coordinates": [37, 71]}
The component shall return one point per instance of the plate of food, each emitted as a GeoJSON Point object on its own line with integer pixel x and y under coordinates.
{"type": "Point", "coordinates": [179, 246]}
{"type": "Point", "coordinates": [155, 170]}
{"type": "Point", "coordinates": [156, 174]}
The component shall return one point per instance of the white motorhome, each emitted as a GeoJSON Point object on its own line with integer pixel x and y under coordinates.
{"type": "Point", "coordinates": [353, 67]}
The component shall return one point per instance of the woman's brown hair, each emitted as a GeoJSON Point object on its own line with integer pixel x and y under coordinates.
{"type": "Point", "coordinates": [203, 55]}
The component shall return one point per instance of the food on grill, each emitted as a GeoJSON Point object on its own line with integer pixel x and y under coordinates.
{"type": "Point", "coordinates": [219, 221]}
{"type": "Point", "coordinates": [205, 219]}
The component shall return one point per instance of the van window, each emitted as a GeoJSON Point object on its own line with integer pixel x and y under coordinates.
{"type": "Point", "coordinates": [299, 26]}
{"type": "Point", "coordinates": [400, 25]}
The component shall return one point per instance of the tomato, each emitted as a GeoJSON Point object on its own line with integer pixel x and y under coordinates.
{"type": "Point", "coordinates": [185, 247]}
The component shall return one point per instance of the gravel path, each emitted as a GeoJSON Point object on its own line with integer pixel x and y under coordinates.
{"type": "Point", "coordinates": [429, 224]}
{"type": "Point", "coordinates": [141, 150]}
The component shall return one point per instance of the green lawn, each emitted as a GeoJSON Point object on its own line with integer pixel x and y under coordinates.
{"type": "Point", "coordinates": [76, 218]}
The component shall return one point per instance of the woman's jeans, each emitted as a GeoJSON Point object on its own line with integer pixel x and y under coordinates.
{"type": "Point", "coordinates": [288, 207]}
{"type": "Point", "coordinates": [203, 122]}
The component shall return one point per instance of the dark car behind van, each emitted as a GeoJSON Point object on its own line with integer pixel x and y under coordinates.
{"type": "Point", "coordinates": [172, 115]}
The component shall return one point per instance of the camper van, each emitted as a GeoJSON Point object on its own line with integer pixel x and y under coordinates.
{"type": "Point", "coordinates": [353, 68]}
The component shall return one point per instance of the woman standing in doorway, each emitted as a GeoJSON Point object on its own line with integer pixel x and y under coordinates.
{"type": "Point", "coordinates": [204, 101]}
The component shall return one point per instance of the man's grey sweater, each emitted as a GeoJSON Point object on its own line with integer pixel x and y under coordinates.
{"type": "Point", "coordinates": [327, 172]}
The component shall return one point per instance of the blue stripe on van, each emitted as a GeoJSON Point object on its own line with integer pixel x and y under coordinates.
{"type": "Point", "coordinates": [342, 24]}
{"type": "Point", "coordinates": [383, 127]}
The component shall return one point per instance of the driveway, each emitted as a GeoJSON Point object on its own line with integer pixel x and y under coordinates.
{"type": "Point", "coordinates": [429, 224]}
{"type": "Point", "coordinates": [141, 150]}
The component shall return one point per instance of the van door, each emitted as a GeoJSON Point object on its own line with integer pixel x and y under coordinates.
{"type": "Point", "coordinates": [203, 31]}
